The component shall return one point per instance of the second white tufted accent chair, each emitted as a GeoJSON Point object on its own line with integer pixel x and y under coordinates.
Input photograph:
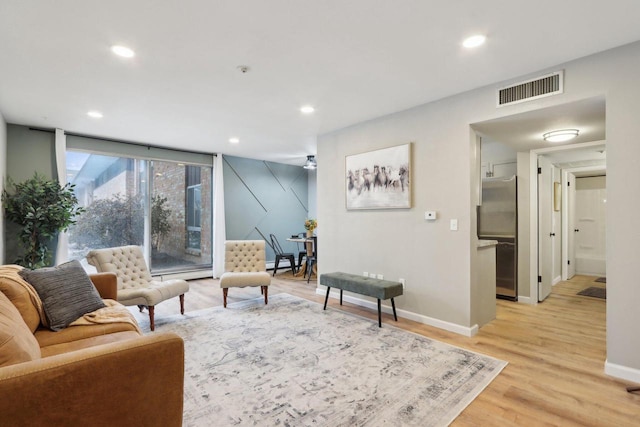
{"type": "Point", "coordinates": [135, 284]}
{"type": "Point", "coordinates": [245, 265]}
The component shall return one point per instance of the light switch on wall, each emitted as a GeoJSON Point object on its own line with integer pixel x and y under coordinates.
{"type": "Point", "coordinates": [453, 225]}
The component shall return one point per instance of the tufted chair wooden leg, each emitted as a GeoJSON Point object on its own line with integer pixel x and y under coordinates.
{"type": "Point", "coordinates": [151, 319]}
{"type": "Point", "coordinates": [265, 291]}
{"type": "Point", "coordinates": [224, 296]}
{"type": "Point", "coordinates": [182, 304]}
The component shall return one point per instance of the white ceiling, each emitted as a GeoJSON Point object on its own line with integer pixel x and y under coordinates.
{"type": "Point", "coordinates": [523, 132]}
{"type": "Point", "coordinates": [353, 60]}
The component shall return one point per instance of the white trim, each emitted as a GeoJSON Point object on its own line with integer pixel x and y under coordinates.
{"type": "Point", "coordinates": [565, 212]}
{"type": "Point", "coordinates": [447, 326]}
{"type": "Point", "coordinates": [622, 372]}
{"type": "Point", "coordinates": [557, 280]}
{"type": "Point", "coordinates": [526, 300]}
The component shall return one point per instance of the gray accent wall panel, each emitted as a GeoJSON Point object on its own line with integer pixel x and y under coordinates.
{"type": "Point", "coordinates": [262, 198]}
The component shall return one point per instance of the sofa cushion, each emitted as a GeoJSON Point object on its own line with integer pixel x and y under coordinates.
{"type": "Point", "coordinates": [66, 347]}
{"type": "Point", "coordinates": [47, 337]}
{"type": "Point", "coordinates": [17, 343]}
{"type": "Point", "coordinates": [21, 294]}
{"type": "Point", "coordinates": [66, 293]}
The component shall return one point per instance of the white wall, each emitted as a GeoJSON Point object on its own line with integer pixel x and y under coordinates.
{"type": "Point", "coordinates": [3, 173]}
{"type": "Point", "coordinates": [439, 265]}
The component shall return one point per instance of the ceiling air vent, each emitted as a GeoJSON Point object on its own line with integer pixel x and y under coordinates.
{"type": "Point", "coordinates": [539, 87]}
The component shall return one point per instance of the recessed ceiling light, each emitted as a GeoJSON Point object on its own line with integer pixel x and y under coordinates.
{"type": "Point", "coordinates": [95, 114]}
{"type": "Point", "coordinates": [474, 41]}
{"type": "Point", "coordinates": [560, 135]}
{"type": "Point", "coordinates": [234, 140]}
{"type": "Point", "coordinates": [123, 51]}
{"type": "Point", "coordinates": [307, 109]}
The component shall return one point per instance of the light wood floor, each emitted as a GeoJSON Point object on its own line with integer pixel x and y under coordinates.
{"type": "Point", "coordinates": [556, 353]}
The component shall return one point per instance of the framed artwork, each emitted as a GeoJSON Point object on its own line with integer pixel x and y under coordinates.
{"type": "Point", "coordinates": [557, 196]}
{"type": "Point", "coordinates": [379, 179]}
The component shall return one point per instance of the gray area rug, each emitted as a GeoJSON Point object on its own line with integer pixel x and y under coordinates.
{"type": "Point", "coordinates": [292, 364]}
{"type": "Point", "coordinates": [595, 292]}
{"type": "Point", "coordinates": [601, 280]}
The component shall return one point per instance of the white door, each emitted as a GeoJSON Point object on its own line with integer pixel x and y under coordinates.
{"type": "Point", "coordinates": [570, 186]}
{"type": "Point", "coordinates": [545, 234]}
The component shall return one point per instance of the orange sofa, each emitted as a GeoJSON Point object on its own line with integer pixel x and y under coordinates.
{"type": "Point", "coordinates": [91, 374]}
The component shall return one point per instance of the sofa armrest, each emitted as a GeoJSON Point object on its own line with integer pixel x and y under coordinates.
{"type": "Point", "coordinates": [106, 284]}
{"type": "Point", "coordinates": [128, 383]}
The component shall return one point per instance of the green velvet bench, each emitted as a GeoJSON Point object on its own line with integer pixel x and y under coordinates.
{"type": "Point", "coordinates": [376, 288]}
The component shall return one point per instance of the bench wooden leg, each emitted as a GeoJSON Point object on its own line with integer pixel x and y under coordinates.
{"type": "Point", "coordinates": [327, 297]}
{"type": "Point", "coordinates": [393, 304]}
{"type": "Point", "coordinates": [379, 314]}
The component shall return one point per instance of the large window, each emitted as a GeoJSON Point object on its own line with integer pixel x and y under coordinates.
{"type": "Point", "coordinates": [194, 208]}
{"type": "Point", "coordinates": [163, 206]}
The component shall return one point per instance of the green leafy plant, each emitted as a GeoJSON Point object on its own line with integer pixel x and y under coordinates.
{"type": "Point", "coordinates": [42, 208]}
{"type": "Point", "coordinates": [160, 221]}
{"type": "Point", "coordinates": [117, 221]}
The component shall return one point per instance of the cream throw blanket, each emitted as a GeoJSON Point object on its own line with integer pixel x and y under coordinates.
{"type": "Point", "coordinates": [114, 312]}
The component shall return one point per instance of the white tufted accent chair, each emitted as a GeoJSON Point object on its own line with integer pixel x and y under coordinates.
{"type": "Point", "coordinates": [135, 284]}
{"type": "Point", "coordinates": [245, 265]}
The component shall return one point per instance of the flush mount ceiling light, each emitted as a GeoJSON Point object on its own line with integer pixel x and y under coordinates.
{"type": "Point", "coordinates": [123, 51]}
{"type": "Point", "coordinates": [311, 163]}
{"type": "Point", "coordinates": [307, 109]}
{"type": "Point", "coordinates": [474, 41]}
{"type": "Point", "coordinates": [95, 114]}
{"type": "Point", "coordinates": [560, 135]}
{"type": "Point", "coordinates": [234, 140]}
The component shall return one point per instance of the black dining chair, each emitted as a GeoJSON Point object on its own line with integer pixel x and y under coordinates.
{"type": "Point", "coordinates": [281, 254]}
{"type": "Point", "coordinates": [302, 253]}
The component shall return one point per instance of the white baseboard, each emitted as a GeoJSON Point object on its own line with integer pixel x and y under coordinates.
{"type": "Point", "coordinates": [556, 280]}
{"type": "Point", "coordinates": [526, 300]}
{"type": "Point", "coordinates": [622, 372]}
{"type": "Point", "coordinates": [447, 326]}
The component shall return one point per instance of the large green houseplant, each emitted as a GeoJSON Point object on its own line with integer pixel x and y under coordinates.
{"type": "Point", "coordinates": [42, 208]}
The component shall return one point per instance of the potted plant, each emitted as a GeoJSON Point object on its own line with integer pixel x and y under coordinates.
{"type": "Point", "coordinates": [42, 208]}
{"type": "Point", "coordinates": [310, 225]}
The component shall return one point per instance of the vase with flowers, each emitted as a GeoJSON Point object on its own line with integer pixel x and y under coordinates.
{"type": "Point", "coordinates": [310, 225]}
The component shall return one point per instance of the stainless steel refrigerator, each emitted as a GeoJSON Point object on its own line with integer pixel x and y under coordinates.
{"type": "Point", "coordinates": [498, 220]}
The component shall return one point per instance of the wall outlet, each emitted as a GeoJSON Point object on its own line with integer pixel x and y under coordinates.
{"type": "Point", "coordinates": [365, 274]}
{"type": "Point", "coordinates": [402, 283]}
{"type": "Point", "coordinates": [380, 276]}
{"type": "Point", "coordinates": [372, 275]}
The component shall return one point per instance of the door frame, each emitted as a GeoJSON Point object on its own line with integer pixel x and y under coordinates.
{"type": "Point", "coordinates": [533, 209]}
{"type": "Point", "coordinates": [565, 212]}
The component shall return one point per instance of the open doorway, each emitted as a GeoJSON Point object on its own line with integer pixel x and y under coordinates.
{"type": "Point", "coordinates": [571, 194]}
{"type": "Point", "coordinates": [522, 134]}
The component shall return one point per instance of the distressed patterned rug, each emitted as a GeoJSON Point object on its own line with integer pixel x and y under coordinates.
{"type": "Point", "coordinates": [292, 364]}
